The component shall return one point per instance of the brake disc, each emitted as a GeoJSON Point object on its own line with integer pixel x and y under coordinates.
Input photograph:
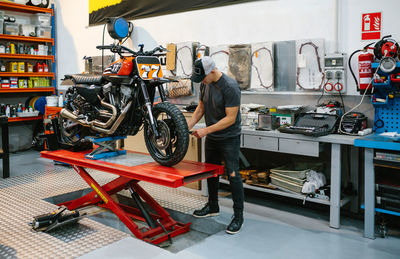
{"type": "Point", "coordinates": [165, 137]}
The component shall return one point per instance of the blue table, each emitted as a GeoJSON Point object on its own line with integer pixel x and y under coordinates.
{"type": "Point", "coordinates": [369, 143]}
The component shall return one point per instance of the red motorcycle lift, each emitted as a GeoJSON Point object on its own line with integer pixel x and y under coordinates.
{"type": "Point", "coordinates": [161, 225]}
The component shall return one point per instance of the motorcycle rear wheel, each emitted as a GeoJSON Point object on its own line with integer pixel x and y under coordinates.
{"type": "Point", "coordinates": [171, 147]}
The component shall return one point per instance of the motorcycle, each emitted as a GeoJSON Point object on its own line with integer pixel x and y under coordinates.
{"type": "Point", "coordinates": [120, 102]}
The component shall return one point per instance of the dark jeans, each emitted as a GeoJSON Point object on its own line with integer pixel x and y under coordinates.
{"type": "Point", "coordinates": [227, 151]}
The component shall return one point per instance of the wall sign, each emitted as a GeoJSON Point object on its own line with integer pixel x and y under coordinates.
{"type": "Point", "coordinates": [371, 24]}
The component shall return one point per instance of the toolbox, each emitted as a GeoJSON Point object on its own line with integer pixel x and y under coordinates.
{"type": "Point", "coordinates": [313, 124]}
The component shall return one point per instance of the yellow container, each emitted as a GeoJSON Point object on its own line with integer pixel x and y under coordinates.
{"type": "Point", "coordinates": [30, 82]}
{"type": "Point", "coordinates": [21, 83]}
{"type": "Point", "coordinates": [28, 67]}
{"type": "Point", "coordinates": [13, 67]}
{"type": "Point", "coordinates": [12, 48]}
{"type": "Point", "coordinates": [21, 67]}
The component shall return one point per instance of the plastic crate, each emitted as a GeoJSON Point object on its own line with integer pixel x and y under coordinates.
{"type": "Point", "coordinates": [42, 19]}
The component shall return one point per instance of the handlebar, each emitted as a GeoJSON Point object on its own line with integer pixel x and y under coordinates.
{"type": "Point", "coordinates": [119, 49]}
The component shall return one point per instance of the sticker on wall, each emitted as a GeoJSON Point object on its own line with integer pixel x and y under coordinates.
{"type": "Point", "coordinates": [310, 64]}
{"type": "Point", "coordinates": [371, 24]}
{"type": "Point", "coordinates": [184, 59]}
{"type": "Point", "coordinates": [220, 55]}
{"type": "Point", "coordinates": [262, 66]}
{"type": "Point", "coordinates": [240, 64]}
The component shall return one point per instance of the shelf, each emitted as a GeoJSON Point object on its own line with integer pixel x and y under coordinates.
{"type": "Point", "coordinates": [10, 74]}
{"type": "Point", "coordinates": [24, 38]}
{"type": "Point", "coordinates": [24, 8]}
{"type": "Point", "coordinates": [26, 56]}
{"type": "Point", "coordinates": [383, 211]}
{"type": "Point", "coordinates": [27, 90]}
{"type": "Point", "coordinates": [289, 194]}
{"type": "Point", "coordinates": [386, 163]}
{"type": "Point", "coordinates": [16, 119]}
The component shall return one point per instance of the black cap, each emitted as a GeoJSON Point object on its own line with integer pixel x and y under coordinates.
{"type": "Point", "coordinates": [198, 72]}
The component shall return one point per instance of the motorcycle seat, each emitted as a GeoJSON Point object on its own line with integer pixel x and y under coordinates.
{"type": "Point", "coordinates": [86, 79]}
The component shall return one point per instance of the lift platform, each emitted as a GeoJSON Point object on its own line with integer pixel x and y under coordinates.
{"type": "Point", "coordinates": [131, 170]}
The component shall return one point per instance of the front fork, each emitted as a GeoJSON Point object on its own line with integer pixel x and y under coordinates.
{"type": "Point", "coordinates": [153, 122]}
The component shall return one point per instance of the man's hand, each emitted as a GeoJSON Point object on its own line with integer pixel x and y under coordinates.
{"type": "Point", "coordinates": [199, 133]}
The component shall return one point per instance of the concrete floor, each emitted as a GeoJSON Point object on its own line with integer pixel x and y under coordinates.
{"type": "Point", "coordinates": [271, 230]}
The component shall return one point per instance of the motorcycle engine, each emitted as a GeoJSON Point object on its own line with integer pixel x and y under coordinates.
{"type": "Point", "coordinates": [84, 107]}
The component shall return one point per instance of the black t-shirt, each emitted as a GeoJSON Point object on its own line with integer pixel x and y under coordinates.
{"type": "Point", "coordinates": [216, 97]}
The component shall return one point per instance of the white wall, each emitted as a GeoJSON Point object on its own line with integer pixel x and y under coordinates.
{"type": "Point", "coordinates": [243, 23]}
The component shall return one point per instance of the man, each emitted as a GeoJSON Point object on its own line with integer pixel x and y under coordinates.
{"type": "Point", "coordinates": [219, 102]}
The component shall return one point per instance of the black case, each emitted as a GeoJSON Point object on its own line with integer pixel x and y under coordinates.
{"type": "Point", "coordinates": [324, 124]}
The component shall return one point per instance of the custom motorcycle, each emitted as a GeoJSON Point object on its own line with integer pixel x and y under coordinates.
{"type": "Point", "coordinates": [121, 100]}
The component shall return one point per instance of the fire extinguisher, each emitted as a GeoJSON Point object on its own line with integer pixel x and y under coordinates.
{"type": "Point", "coordinates": [364, 68]}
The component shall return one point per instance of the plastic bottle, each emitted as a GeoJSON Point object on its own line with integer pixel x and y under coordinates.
{"type": "Point", "coordinates": [8, 111]}
{"type": "Point", "coordinates": [61, 100]}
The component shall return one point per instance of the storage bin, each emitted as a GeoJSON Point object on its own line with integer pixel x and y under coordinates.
{"type": "Point", "coordinates": [27, 30]}
{"type": "Point", "coordinates": [43, 31]}
{"type": "Point", "coordinates": [52, 101]}
{"type": "Point", "coordinates": [11, 28]}
{"type": "Point", "coordinates": [41, 19]}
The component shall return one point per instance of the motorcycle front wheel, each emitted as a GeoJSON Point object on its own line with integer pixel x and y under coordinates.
{"type": "Point", "coordinates": [171, 147]}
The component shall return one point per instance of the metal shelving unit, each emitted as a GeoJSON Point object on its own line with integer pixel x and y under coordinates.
{"type": "Point", "coordinates": [28, 90]}
{"type": "Point", "coordinates": [25, 39]}
{"type": "Point", "coordinates": [289, 194]}
{"type": "Point", "coordinates": [16, 119]}
{"type": "Point", "coordinates": [26, 56]}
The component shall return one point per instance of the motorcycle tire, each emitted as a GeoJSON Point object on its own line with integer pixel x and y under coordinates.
{"type": "Point", "coordinates": [172, 146]}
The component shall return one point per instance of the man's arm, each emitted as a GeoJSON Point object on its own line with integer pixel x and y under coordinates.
{"type": "Point", "coordinates": [198, 113]}
{"type": "Point", "coordinates": [228, 120]}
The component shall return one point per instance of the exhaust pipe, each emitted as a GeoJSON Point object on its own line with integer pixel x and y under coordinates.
{"type": "Point", "coordinates": [117, 122]}
{"type": "Point", "coordinates": [69, 115]}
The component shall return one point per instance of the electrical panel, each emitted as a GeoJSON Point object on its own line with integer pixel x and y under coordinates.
{"type": "Point", "coordinates": [335, 73]}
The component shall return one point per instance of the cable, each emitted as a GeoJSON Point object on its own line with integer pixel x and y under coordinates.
{"type": "Point", "coordinates": [341, 98]}
{"type": "Point", "coordinates": [323, 91]}
{"type": "Point", "coordinates": [362, 99]}
{"type": "Point", "coordinates": [180, 61]}
{"type": "Point", "coordinates": [351, 69]}
{"type": "Point", "coordinates": [319, 66]}
{"type": "Point", "coordinates": [257, 71]}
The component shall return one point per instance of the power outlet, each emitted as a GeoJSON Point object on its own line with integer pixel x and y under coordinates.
{"type": "Point", "coordinates": [335, 73]}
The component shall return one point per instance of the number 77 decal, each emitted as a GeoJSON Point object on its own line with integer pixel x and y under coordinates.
{"type": "Point", "coordinates": [149, 71]}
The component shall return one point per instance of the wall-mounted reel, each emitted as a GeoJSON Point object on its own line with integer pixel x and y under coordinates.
{"type": "Point", "coordinates": [386, 47]}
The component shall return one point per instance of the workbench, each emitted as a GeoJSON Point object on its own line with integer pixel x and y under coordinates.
{"type": "Point", "coordinates": [131, 169]}
{"type": "Point", "coordinates": [369, 143]}
{"type": "Point", "coordinates": [299, 144]}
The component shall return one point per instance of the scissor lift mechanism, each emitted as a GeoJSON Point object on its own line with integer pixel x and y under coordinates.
{"type": "Point", "coordinates": [161, 226]}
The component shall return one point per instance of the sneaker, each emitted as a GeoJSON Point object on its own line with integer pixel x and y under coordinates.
{"type": "Point", "coordinates": [236, 224]}
{"type": "Point", "coordinates": [210, 210]}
